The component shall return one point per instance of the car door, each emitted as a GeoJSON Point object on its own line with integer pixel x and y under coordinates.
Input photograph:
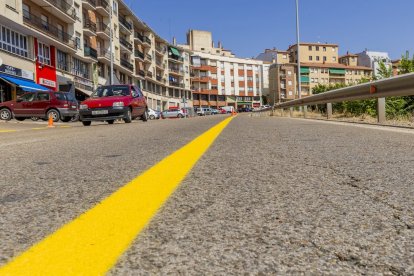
{"type": "Point", "coordinates": [139, 100]}
{"type": "Point", "coordinates": [23, 105]}
{"type": "Point", "coordinates": [40, 104]}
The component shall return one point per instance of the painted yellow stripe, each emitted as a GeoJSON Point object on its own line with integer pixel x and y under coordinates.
{"type": "Point", "coordinates": [7, 130]}
{"type": "Point", "coordinates": [65, 126]}
{"type": "Point", "coordinates": [92, 243]}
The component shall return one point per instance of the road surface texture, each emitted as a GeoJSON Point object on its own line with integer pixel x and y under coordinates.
{"type": "Point", "coordinates": [271, 196]}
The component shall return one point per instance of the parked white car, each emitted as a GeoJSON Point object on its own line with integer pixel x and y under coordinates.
{"type": "Point", "coordinates": [153, 114]}
{"type": "Point", "coordinates": [203, 111]}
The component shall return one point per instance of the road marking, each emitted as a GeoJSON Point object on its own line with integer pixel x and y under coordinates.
{"type": "Point", "coordinates": [39, 128]}
{"type": "Point", "coordinates": [7, 130]}
{"type": "Point", "coordinates": [65, 126]}
{"type": "Point", "coordinates": [92, 243]}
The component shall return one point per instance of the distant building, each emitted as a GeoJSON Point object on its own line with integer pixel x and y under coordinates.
{"type": "Point", "coordinates": [320, 64]}
{"type": "Point", "coordinates": [396, 67]}
{"type": "Point", "coordinates": [218, 78]}
{"type": "Point", "coordinates": [372, 59]}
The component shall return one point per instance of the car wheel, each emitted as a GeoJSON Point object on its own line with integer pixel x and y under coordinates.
{"type": "Point", "coordinates": [34, 118]}
{"type": "Point", "coordinates": [5, 114]}
{"type": "Point", "coordinates": [74, 118]}
{"type": "Point", "coordinates": [66, 119]}
{"type": "Point", "coordinates": [86, 123]}
{"type": "Point", "coordinates": [128, 116]}
{"type": "Point", "coordinates": [111, 122]}
{"type": "Point", "coordinates": [145, 116]}
{"type": "Point", "coordinates": [20, 119]}
{"type": "Point", "coordinates": [55, 115]}
{"type": "Point", "coordinates": [180, 116]}
{"type": "Point", "coordinates": [152, 117]}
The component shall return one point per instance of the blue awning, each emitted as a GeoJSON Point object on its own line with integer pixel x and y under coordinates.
{"type": "Point", "coordinates": [25, 85]}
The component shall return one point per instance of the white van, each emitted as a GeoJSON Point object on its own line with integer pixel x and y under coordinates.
{"type": "Point", "coordinates": [229, 109]}
{"type": "Point", "coordinates": [203, 111]}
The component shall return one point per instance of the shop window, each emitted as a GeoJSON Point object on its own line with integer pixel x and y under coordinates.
{"type": "Point", "coordinates": [62, 61]}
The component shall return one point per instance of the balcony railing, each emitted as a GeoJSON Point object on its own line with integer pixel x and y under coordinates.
{"type": "Point", "coordinates": [103, 4]}
{"type": "Point", "coordinates": [88, 24]}
{"type": "Point", "coordinates": [90, 2]}
{"type": "Point", "coordinates": [176, 84]}
{"type": "Point", "coordinates": [125, 43]}
{"type": "Point", "coordinates": [127, 64]}
{"type": "Point", "coordinates": [64, 7]}
{"type": "Point", "coordinates": [148, 57]}
{"type": "Point", "coordinates": [102, 27]}
{"type": "Point", "coordinates": [139, 54]}
{"type": "Point", "coordinates": [160, 49]}
{"type": "Point", "coordinates": [139, 36]}
{"type": "Point", "coordinates": [159, 78]}
{"type": "Point", "coordinates": [176, 70]}
{"type": "Point", "coordinates": [90, 52]}
{"type": "Point", "coordinates": [147, 40]}
{"type": "Point", "coordinates": [176, 58]}
{"type": "Point", "coordinates": [149, 74]}
{"type": "Point", "coordinates": [141, 73]}
{"type": "Point", "coordinates": [48, 29]}
{"type": "Point", "coordinates": [104, 53]}
{"type": "Point", "coordinates": [124, 22]}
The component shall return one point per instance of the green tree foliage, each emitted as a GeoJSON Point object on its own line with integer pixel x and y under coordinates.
{"type": "Point", "coordinates": [384, 71]}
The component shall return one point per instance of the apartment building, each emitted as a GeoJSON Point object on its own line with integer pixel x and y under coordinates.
{"type": "Point", "coordinates": [320, 64]}
{"type": "Point", "coordinates": [372, 59]}
{"type": "Point", "coordinates": [218, 78]}
{"type": "Point", "coordinates": [65, 45]}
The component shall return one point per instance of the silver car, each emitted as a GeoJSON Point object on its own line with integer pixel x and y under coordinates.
{"type": "Point", "coordinates": [173, 113]}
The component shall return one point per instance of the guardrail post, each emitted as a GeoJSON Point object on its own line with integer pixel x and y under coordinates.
{"type": "Point", "coordinates": [291, 112]}
{"type": "Point", "coordinates": [329, 110]}
{"type": "Point", "coordinates": [381, 110]}
{"type": "Point", "coordinates": [282, 111]}
{"type": "Point", "coordinates": [305, 111]}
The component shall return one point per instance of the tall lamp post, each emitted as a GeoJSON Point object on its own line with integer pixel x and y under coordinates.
{"type": "Point", "coordinates": [298, 47]}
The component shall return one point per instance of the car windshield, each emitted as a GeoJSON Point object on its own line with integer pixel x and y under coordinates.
{"type": "Point", "coordinates": [110, 91]}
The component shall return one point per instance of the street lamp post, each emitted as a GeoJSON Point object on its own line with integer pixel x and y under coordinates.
{"type": "Point", "coordinates": [298, 47]}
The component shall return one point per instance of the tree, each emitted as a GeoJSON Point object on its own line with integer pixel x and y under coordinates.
{"type": "Point", "coordinates": [384, 71]}
{"type": "Point", "coordinates": [406, 64]}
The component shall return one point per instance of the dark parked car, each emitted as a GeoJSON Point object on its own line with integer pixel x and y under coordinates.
{"type": "Point", "coordinates": [59, 105]}
{"type": "Point", "coordinates": [111, 102]}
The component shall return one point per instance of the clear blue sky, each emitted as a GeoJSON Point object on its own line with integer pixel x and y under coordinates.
{"type": "Point", "coordinates": [248, 27]}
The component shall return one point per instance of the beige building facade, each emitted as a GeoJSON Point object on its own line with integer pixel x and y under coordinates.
{"type": "Point", "coordinates": [320, 64]}
{"type": "Point", "coordinates": [65, 46]}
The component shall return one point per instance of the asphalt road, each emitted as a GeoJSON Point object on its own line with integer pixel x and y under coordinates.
{"type": "Point", "coordinates": [271, 196]}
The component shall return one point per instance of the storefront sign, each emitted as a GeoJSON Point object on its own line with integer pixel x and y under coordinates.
{"type": "Point", "coordinates": [10, 70]}
{"type": "Point", "coordinates": [47, 82]}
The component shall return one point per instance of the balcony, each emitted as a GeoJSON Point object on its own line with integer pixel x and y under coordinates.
{"type": "Point", "coordinates": [103, 8]}
{"type": "Point", "coordinates": [160, 50]}
{"type": "Point", "coordinates": [89, 27]}
{"type": "Point", "coordinates": [104, 55]}
{"type": "Point", "coordinates": [89, 4]}
{"type": "Point", "coordinates": [48, 29]}
{"type": "Point", "coordinates": [141, 73]}
{"type": "Point", "coordinates": [90, 52]}
{"type": "Point", "coordinates": [125, 24]}
{"type": "Point", "coordinates": [147, 41]}
{"type": "Point", "coordinates": [103, 31]}
{"type": "Point", "coordinates": [175, 58]}
{"type": "Point", "coordinates": [160, 79]}
{"type": "Point", "coordinates": [125, 63]}
{"type": "Point", "coordinates": [126, 44]}
{"type": "Point", "coordinates": [139, 55]}
{"type": "Point", "coordinates": [176, 84]}
{"type": "Point", "coordinates": [138, 36]}
{"type": "Point", "coordinates": [60, 8]}
{"type": "Point", "coordinates": [176, 71]}
{"type": "Point", "coordinates": [149, 74]}
{"type": "Point", "coordinates": [148, 58]}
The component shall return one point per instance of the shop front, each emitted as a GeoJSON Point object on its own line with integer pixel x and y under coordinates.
{"type": "Point", "coordinates": [14, 82]}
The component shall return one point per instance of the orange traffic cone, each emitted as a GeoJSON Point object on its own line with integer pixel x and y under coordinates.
{"type": "Point", "coordinates": [50, 122]}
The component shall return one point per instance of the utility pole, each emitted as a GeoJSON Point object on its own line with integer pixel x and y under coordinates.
{"type": "Point", "coordinates": [298, 55]}
{"type": "Point", "coordinates": [111, 52]}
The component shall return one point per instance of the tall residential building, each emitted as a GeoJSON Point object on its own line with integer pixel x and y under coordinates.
{"type": "Point", "coordinates": [320, 64]}
{"type": "Point", "coordinates": [372, 59]}
{"type": "Point", "coordinates": [218, 78]}
{"type": "Point", "coordinates": [65, 45]}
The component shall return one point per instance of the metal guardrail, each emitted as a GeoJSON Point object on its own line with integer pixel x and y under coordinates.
{"type": "Point", "coordinates": [402, 85]}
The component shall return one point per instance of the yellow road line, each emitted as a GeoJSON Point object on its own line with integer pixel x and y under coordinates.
{"type": "Point", "coordinates": [7, 130]}
{"type": "Point", "coordinates": [39, 128]}
{"type": "Point", "coordinates": [92, 243]}
{"type": "Point", "coordinates": [65, 126]}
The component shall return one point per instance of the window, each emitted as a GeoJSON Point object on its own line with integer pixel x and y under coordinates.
{"type": "Point", "coordinates": [60, 31]}
{"type": "Point", "coordinates": [310, 58]}
{"type": "Point", "coordinates": [333, 58]}
{"type": "Point", "coordinates": [317, 58]}
{"type": "Point", "coordinates": [13, 42]}
{"type": "Point", "coordinates": [42, 97]}
{"type": "Point", "coordinates": [310, 48]}
{"type": "Point", "coordinates": [78, 40]}
{"type": "Point", "coordinates": [62, 61]}
{"type": "Point", "coordinates": [290, 82]}
{"type": "Point", "coordinates": [317, 48]}
{"type": "Point", "coordinates": [80, 68]}
{"type": "Point", "coordinates": [26, 11]}
{"type": "Point", "coordinates": [115, 7]}
{"type": "Point", "coordinates": [333, 49]}
{"type": "Point", "coordinates": [250, 89]}
{"type": "Point", "coordinates": [45, 21]}
{"type": "Point", "coordinates": [284, 56]}
{"type": "Point", "coordinates": [324, 58]}
{"type": "Point", "coordinates": [324, 49]}
{"type": "Point", "coordinates": [241, 78]}
{"type": "Point", "coordinates": [289, 73]}
{"type": "Point", "coordinates": [43, 54]}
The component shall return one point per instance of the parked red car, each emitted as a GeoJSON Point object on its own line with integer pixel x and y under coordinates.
{"type": "Point", "coordinates": [111, 102]}
{"type": "Point", "coordinates": [59, 105]}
